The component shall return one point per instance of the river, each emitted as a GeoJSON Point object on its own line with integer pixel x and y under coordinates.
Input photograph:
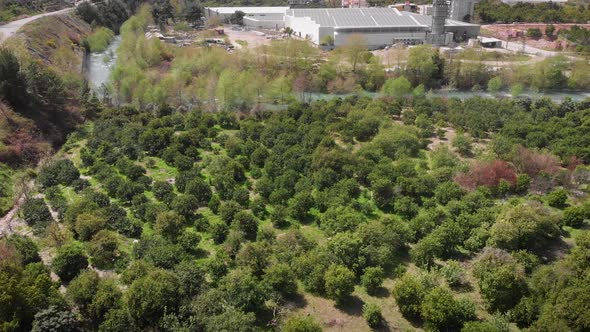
{"type": "Point", "coordinates": [101, 64]}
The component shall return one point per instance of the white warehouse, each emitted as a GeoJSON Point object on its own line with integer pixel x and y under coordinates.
{"type": "Point", "coordinates": [379, 26]}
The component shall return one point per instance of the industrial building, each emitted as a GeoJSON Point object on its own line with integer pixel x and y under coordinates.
{"type": "Point", "coordinates": [379, 26]}
{"type": "Point", "coordinates": [462, 10]}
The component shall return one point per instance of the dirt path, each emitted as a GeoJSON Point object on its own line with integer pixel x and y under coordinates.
{"type": "Point", "coordinates": [9, 222]}
{"type": "Point", "coordinates": [8, 30]}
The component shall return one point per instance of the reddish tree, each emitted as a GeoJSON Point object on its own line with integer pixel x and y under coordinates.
{"type": "Point", "coordinates": [486, 173]}
{"type": "Point", "coordinates": [573, 162]}
{"type": "Point", "coordinates": [534, 162]}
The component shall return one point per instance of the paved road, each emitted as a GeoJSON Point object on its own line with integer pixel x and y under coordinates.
{"type": "Point", "coordinates": [11, 28]}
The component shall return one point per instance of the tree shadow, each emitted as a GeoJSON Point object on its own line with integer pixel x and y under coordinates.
{"type": "Point", "coordinates": [384, 327]}
{"type": "Point", "coordinates": [297, 301]}
{"type": "Point", "coordinates": [557, 249]}
{"type": "Point", "coordinates": [353, 306]}
{"type": "Point", "coordinates": [382, 292]}
{"type": "Point", "coordinates": [201, 253]}
{"type": "Point", "coordinates": [463, 288]}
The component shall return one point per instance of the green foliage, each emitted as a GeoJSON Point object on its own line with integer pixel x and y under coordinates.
{"type": "Point", "coordinates": [372, 279]}
{"type": "Point", "coordinates": [169, 224]}
{"type": "Point", "coordinates": [36, 214]}
{"type": "Point", "coordinates": [149, 297]}
{"type": "Point", "coordinates": [244, 291]}
{"type": "Point", "coordinates": [58, 172]}
{"type": "Point", "coordinates": [557, 198]}
{"type": "Point", "coordinates": [574, 216]}
{"type": "Point", "coordinates": [55, 319]}
{"type": "Point", "coordinates": [409, 293]}
{"type": "Point", "coordinates": [372, 314]}
{"type": "Point", "coordinates": [524, 226]}
{"type": "Point", "coordinates": [281, 279]}
{"type": "Point", "coordinates": [104, 249]}
{"type": "Point", "coordinates": [339, 283]}
{"type": "Point", "coordinates": [453, 273]}
{"type": "Point", "coordinates": [25, 292]}
{"type": "Point", "coordinates": [397, 87]}
{"type": "Point", "coordinates": [501, 279]}
{"type": "Point", "coordinates": [5, 188]}
{"type": "Point", "coordinates": [246, 223]}
{"type": "Point", "coordinates": [25, 248]}
{"type": "Point", "coordinates": [492, 11]}
{"type": "Point", "coordinates": [297, 323]}
{"type": "Point", "coordinates": [88, 224]}
{"type": "Point", "coordinates": [463, 144]}
{"type": "Point", "coordinates": [100, 39]}
{"type": "Point", "coordinates": [441, 312]}
{"type": "Point", "coordinates": [70, 260]}
{"type": "Point", "coordinates": [495, 84]}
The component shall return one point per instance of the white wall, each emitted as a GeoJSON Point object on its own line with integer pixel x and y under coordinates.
{"type": "Point", "coordinates": [263, 24]}
{"type": "Point", "coordinates": [304, 27]}
{"type": "Point", "coordinates": [377, 39]}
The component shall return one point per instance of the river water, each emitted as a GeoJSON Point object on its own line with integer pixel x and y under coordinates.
{"type": "Point", "coordinates": [101, 64]}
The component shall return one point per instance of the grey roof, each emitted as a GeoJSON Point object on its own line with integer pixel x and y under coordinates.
{"type": "Point", "coordinates": [249, 10]}
{"type": "Point", "coordinates": [365, 17]}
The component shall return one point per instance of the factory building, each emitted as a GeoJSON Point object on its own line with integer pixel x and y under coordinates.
{"type": "Point", "coordinates": [224, 13]}
{"type": "Point", "coordinates": [378, 26]}
{"type": "Point", "coordinates": [462, 10]}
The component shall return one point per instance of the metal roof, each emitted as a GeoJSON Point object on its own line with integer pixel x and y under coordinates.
{"type": "Point", "coordinates": [249, 10]}
{"type": "Point", "coordinates": [366, 18]}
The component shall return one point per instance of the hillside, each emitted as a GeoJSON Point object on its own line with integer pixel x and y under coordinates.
{"type": "Point", "coordinates": [46, 58]}
{"type": "Point", "coordinates": [208, 191]}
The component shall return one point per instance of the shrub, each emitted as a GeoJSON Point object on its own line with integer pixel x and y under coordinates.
{"type": "Point", "coordinates": [36, 214]}
{"type": "Point", "coordinates": [372, 314]}
{"type": "Point", "coordinates": [441, 312]}
{"type": "Point", "coordinates": [246, 223]}
{"type": "Point", "coordinates": [453, 273]}
{"type": "Point", "coordinates": [409, 292]}
{"type": "Point", "coordinates": [301, 324]}
{"type": "Point", "coordinates": [88, 224]}
{"type": "Point", "coordinates": [372, 279]}
{"type": "Point", "coordinates": [339, 283]}
{"type": "Point", "coordinates": [574, 216]}
{"type": "Point", "coordinates": [70, 260]}
{"type": "Point", "coordinates": [501, 280]}
{"type": "Point", "coordinates": [525, 226]}
{"type": "Point", "coordinates": [100, 39]}
{"type": "Point", "coordinates": [278, 216]}
{"type": "Point", "coordinates": [532, 162]}
{"type": "Point", "coordinates": [463, 144]}
{"type": "Point", "coordinates": [162, 189]}
{"type": "Point", "coordinates": [557, 198]}
{"type": "Point", "coordinates": [486, 173]}
{"type": "Point", "coordinates": [104, 249]}
{"type": "Point", "coordinates": [58, 172]}
{"type": "Point", "coordinates": [25, 248]}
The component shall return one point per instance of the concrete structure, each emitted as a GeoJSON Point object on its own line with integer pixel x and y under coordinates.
{"type": "Point", "coordinates": [489, 42]}
{"type": "Point", "coordinates": [425, 9]}
{"type": "Point", "coordinates": [265, 21]}
{"type": "Point", "coordinates": [379, 26]}
{"type": "Point", "coordinates": [354, 3]}
{"type": "Point", "coordinates": [256, 12]}
{"type": "Point", "coordinates": [462, 10]}
{"type": "Point", "coordinates": [513, 2]}
{"type": "Point", "coordinates": [437, 34]}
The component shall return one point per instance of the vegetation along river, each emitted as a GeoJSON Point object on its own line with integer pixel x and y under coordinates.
{"type": "Point", "coordinates": [101, 64]}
